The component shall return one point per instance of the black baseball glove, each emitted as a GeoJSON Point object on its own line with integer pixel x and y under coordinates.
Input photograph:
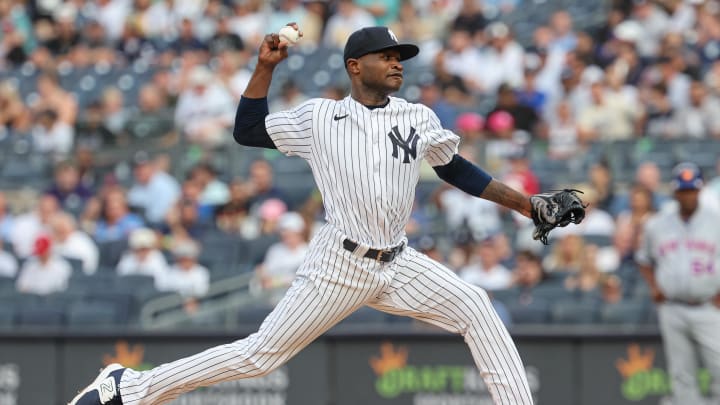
{"type": "Point", "coordinates": [559, 208]}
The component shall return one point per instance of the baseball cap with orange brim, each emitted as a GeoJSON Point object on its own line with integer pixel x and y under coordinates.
{"type": "Point", "coordinates": [687, 176]}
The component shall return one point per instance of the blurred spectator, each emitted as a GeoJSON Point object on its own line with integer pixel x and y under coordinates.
{"type": "Point", "coordinates": [7, 219]}
{"type": "Point", "coordinates": [268, 215]}
{"type": "Point", "coordinates": [186, 40]}
{"type": "Point", "coordinates": [487, 272]}
{"type": "Point", "coordinates": [587, 278]}
{"type": "Point", "coordinates": [87, 170]}
{"type": "Point", "coordinates": [701, 118]}
{"type": "Point", "coordinates": [115, 115]}
{"type": "Point", "coordinates": [624, 244]}
{"type": "Point", "coordinates": [562, 132]}
{"type": "Point", "coordinates": [565, 254]}
{"type": "Point", "coordinates": [285, 11]}
{"type": "Point", "coordinates": [676, 82]}
{"type": "Point", "coordinates": [529, 94]}
{"type": "Point", "coordinates": [29, 226]}
{"type": "Point", "coordinates": [111, 14]}
{"type": "Point", "coordinates": [249, 21]}
{"type": "Point", "coordinates": [313, 23]}
{"type": "Point", "coordinates": [65, 33]}
{"type": "Point", "coordinates": [44, 272]}
{"type": "Point", "coordinates": [14, 114]}
{"type": "Point", "coordinates": [414, 26]}
{"type": "Point", "coordinates": [153, 191]}
{"type": "Point", "coordinates": [8, 263]}
{"type": "Point", "coordinates": [647, 174]}
{"type": "Point", "coordinates": [564, 36]}
{"type": "Point", "coordinates": [160, 20]}
{"type": "Point", "coordinates": [290, 96]}
{"type": "Point", "coordinates": [460, 210]}
{"type": "Point", "coordinates": [224, 39]}
{"type": "Point", "coordinates": [470, 18]}
{"type": "Point", "coordinates": [384, 11]}
{"type": "Point", "coordinates": [460, 58]}
{"type": "Point", "coordinates": [205, 111]}
{"type": "Point", "coordinates": [152, 119]}
{"type": "Point", "coordinates": [52, 97]}
{"type": "Point", "coordinates": [652, 24]}
{"type": "Point", "coordinates": [116, 221]}
{"type": "Point", "coordinates": [91, 128]}
{"type": "Point", "coordinates": [431, 94]}
{"type": "Point", "coordinates": [213, 192]}
{"type": "Point", "coordinates": [133, 44]}
{"type": "Point", "coordinates": [284, 258]}
{"type": "Point", "coordinates": [428, 246]}
{"type": "Point", "coordinates": [641, 208]}
{"type": "Point", "coordinates": [16, 36]}
{"type": "Point", "coordinates": [186, 276]}
{"type": "Point", "coordinates": [709, 195]}
{"type": "Point", "coordinates": [601, 181]}
{"type": "Point", "coordinates": [232, 216]}
{"type": "Point", "coordinates": [611, 289]}
{"type": "Point", "coordinates": [519, 175]}
{"type": "Point", "coordinates": [262, 183]}
{"type": "Point", "coordinates": [528, 272]}
{"type": "Point", "coordinates": [608, 117]}
{"type": "Point", "coordinates": [525, 118]}
{"type": "Point", "coordinates": [52, 136]}
{"type": "Point", "coordinates": [659, 113]}
{"type": "Point", "coordinates": [67, 188]}
{"type": "Point", "coordinates": [184, 219]}
{"type": "Point", "coordinates": [470, 127]}
{"type": "Point", "coordinates": [347, 19]}
{"type": "Point", "coordinates": [502, 63]}
{"type": "Point", "coordinates": [143, 256]}
{"type": "Point", "coordinates": [232, 72]}
{"type": "Point", "coordinates": [69, 242]}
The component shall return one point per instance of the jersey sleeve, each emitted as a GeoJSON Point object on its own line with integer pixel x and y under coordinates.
{"type": "Point", "coordinates": [442, 145]}
{"type": "Point", "coordinates": [291, 130]}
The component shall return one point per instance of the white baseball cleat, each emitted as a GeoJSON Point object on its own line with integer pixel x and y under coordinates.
{"type": "Point", "coordinates": [104, 390]}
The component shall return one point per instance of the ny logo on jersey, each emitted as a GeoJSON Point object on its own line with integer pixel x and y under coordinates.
{"type": "Point", "coordinates": [408, 145]}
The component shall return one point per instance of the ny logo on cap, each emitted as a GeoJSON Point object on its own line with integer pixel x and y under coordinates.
{"type": "Point", "coordinates": [392, 35]}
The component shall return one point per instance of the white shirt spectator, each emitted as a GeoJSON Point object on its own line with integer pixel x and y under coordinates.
{"type": "Point", "coordinates": [197, 109]}
{"type": "Point", "coordinates": [112, 16]}
{"type": "Point", "coordinates": [481, 216]}
{"type": "Point", "coordinates": [281, 262]}
{"type": "Point", "coordinates": [153, 265]}
{"type": "Point", "coordinates": [160, 21]}
{"type": "Point", "coordinates": [8, 265]}
{"type": "Point", "coordinates": [50, 277]}
{"type": "Point", "coordinates": [343, 23]}
{"type": "Point", "coordinates": [79, 246]}
{"type": "Point", "coordinates": [215, 193]}
{"type": "Point", "coordinates": [58, 140]}
{"type": "Point", "coordinates": [496, 278]}
{"type": "Point", "coordinates": [500, 66]}
{"type": "Point", "coordinates": [193, 282]}
{"type": "Point", "coordinates": [26, 229]}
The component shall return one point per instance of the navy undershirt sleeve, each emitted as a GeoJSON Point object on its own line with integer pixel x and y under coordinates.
{"type": "Point", "coordinates": [250, 123]}
{"type": "Point", "coordinates": [464, 175]}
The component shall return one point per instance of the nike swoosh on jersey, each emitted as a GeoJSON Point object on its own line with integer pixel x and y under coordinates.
{"type": "Point", "coordinates": [339, 117]}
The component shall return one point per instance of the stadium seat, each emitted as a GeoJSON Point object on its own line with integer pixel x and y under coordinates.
{"type": "Point", "coordinates": [365, 315]}
{"type": "Point", "coordinates": [81, 314]}
{"type": "Point", "coordinates": [624, 312]}
{"type": "Point", "coordinates": [574, 311]}
{"type": "Point", "coordinates": [111, 252]}
{"type": "Point", "coordinates": [253, 316]}
{"type": "Point", "coordinates": [506, 296]}
{"type": "Point", "coordinates": [535, 312]}
{"type": "Point", "coordinates": [7, 316]}
{"type": "Point", "coordinates": [40, 316]}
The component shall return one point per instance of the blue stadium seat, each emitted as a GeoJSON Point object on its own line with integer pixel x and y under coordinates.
{"type": "Point", "coordinates": [40, 316]}
{"type": "Point", "coordinates": [535, 312]}
{"type": "Point", "coordinates": [574, 312]}
{"type": "Point", "coordinates": [7, 316]}
{"type": "Point", "coordinates": [253, 316]}
{"type": "Point", "coordinates": [110, 252]}
{"type": "Point", "coordinates": [99, 314]}
{"type": "Point", "coordinates": [364, 315]}
{"type": "Point", "coordinates": [624, 312]}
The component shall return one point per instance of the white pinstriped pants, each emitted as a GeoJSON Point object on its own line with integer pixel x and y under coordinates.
{"type": "Point", "coordinates": [330, 285]}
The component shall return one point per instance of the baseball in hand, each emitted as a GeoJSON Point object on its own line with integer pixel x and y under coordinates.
{"type": "Point", "coordinates": [289, 35]}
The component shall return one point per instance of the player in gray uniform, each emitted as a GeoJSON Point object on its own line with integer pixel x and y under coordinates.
{"type": "Point", "coordinates": [680, 260]}
{"type": "Point", "coordinates": [365, 153]}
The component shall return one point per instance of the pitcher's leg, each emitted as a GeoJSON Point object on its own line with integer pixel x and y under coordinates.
{"type": "Point", "coordinates": [300, 317]}
{"type": "Point", "coordinates": [428, 291]}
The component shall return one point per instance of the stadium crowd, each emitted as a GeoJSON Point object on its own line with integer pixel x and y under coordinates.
{"type": "Point", "coordinates": [116, 120]}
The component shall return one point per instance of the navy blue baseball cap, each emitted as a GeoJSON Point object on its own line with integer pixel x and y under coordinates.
{"type": "Point", "coordinates": [375, 39]}
{"type": "Point", "coordinates": [687, 176]}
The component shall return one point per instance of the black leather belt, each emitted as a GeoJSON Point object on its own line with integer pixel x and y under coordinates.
{"type": "Point", "coordinates": [379, 255]}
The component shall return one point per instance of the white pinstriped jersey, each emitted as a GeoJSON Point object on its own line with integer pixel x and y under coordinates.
{"type": "Point", "coordinates": [366, 162]}
{"type": "Point", "coordinates": [686, 255]}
